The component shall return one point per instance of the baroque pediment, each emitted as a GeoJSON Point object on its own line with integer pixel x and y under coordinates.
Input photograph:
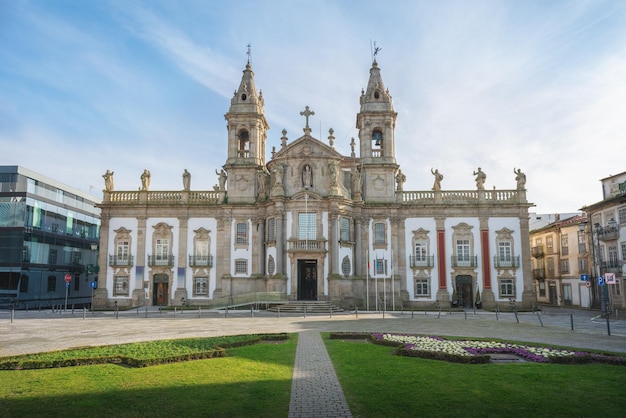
{"type": "Point", "coordinates": [307, 147]}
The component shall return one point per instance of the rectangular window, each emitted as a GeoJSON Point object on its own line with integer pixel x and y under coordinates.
{"type": "Point", "coordinates": [613, 259]}
{"type": "Point", "coordinates": [271, 230]}
{"type": "Point", "coordinates": [202, 253]}
{"type": "Point", "coordinates": [542, 288]}
{"type": "Point", "coordinates": [505, 256]}
{"type": "Point", "coordinates": [345, 230]}
{"type": "Point", "coordinates": [52, 283]}
{"type": "Point", "coordinates": [623, 247]}
{"type": "Point", "coordinates": [421, 287]}
{"type": "Point", "coordinates": [201, 286]}
{"type": "Point", "coordinates": [564, 266]}
{"type": "Point", "coordinates": [379, 233]}
{"type": "Point", "coordinates": [306, 226]}
{"type": "Point", "coordinates": [122, 253]}
{"type": "Point", "coordinates": [241, 266]}
{"type": "Point", "coordinates": [550, 265]}
{"type": "Point", "coordinates": [549, 244]}
{"type": "Point", "coordinates": [76, 281]}
{"type": "Point", "coordinates": [463, 252]}
{"type": "Point", "coordinates": [420, 252]}
{"type": "Point", "coordinates": [52, 256]}
{"type": "Point", "coordinates": [582, 242]}
{"type": "Point", "coordinates": [120, 286]}
{"type": "Point", "coordinates": [380, 266]}
{"type": "Point", "coordinates": [242, 234]}
{"type": "Point", "coordinates": [621, 215]}
{"type": "Point", "coordinates": [162, 251]}
{"type": "Point", "coordinates": [564, 244]}
{"type": "Point", "coordinates": [507, 287]}
{"type": "Point", "coordinates": [582, 265]}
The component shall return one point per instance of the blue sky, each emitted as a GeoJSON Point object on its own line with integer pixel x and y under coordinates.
{"type": "Point", "coordinates": [87, 86]}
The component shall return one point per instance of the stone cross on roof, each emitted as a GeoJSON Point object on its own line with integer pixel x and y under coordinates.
{"type": "Point", "coordinates": [306, 113]}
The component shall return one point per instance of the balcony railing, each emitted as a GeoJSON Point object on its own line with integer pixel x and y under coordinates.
{"type": "Point", "coordinates": [608, 233]}
{"type": "Point", "coordinates": [612, 266]}
{"type": "Point", "coordinates": [125, 261]}
{"type": "Point", "coordinates": [465, 261]}
{"type": "Point", "coordinates": [426, 261]}
{"type": "Point", "coordinates": [160, 260]}
{"type": "Point", "coordinates": [307, 245]}
{"type": "Point", "coordinates": [537, 252]}
{"type": "Point", "coordinates": [506, 262]}
{"type": "Point", "coordinates": [539, 273]}
{"type": "Point", "coordinates": [201, 261]}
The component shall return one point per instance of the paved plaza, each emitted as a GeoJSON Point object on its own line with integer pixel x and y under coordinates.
{"type": "Point", "coordinates": [315, 389]}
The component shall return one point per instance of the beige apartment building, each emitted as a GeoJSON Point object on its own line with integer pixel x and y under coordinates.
{"type": "Point", "coordinates": [312, 224]}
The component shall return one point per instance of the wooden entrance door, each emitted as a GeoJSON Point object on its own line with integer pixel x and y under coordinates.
{"type": "Point", "coordinates": [307, 280]}
{"type": "Point", "coordinates": [464, 293]}
{"type": "Point", "coordinates": [161, 290]}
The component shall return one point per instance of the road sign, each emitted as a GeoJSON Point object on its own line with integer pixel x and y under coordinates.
{"type": "Point", "coordinates": [584, 277]}
{"type": "Point", "coordinates": [588, 284]}
{"type": "Point", "coordinates": [601, 280]}
{"type": "Point", "coordinates": [67, 284]}
{"type": "Point", "coordinates": [93, 285]}
{"type": "Point", "coordinates": [609, 278]}
{"type": "Point", "coordinates": [68, 278]}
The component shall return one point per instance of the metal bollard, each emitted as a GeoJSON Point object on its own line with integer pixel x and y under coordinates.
{"type": "Point", "coordinates": [465, 312]}
{"type": "Point", "coordinates": [12, 315]}
{"type": "Point", "coordinates": [199, 312]}
{"type": "Point", "coordinates": [278, 312]}
{"type": "Point", "coordinates": [412, 313]}
{"type": "Point", "coordinates": [251, 312]}
{"type": "Point", "coordinates": [146, 314]}
{"type": "Point", "coordinates": [84, 312]}
{"type": "Point", "coordinates": [539, 317]}
{"type": "Point", "coordinates": [174, 311]}
{"type": "Point", "coordinates": [305, 311]}
{"type": "Point", "coordinates": [356, 311]}
{"type": "Point", "coordinates": [439, 314]}
{"type": "Point", "coordinates": [571, 320]}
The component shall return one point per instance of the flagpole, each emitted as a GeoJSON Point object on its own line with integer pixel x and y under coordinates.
{"type": "Point", "coordinates": [367, 283]}
{"type": "Point", "coordinates": [393, 293]}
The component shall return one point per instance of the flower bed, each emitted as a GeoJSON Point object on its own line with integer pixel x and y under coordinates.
{"type": "Point", "coordinates": [475, 351]}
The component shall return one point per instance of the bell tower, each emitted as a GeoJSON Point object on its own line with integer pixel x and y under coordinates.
{"type": "Point", "coordinates": [247, 136]}
{"type": "Point", "coordinates": [376, 122]}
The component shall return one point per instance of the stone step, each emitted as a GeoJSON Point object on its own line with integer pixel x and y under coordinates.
{"type": "Point", "coordinates": [310, 306]}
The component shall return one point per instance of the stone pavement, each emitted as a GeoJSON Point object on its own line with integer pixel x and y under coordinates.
{"type": "Point", "coordinates": [315, 389]}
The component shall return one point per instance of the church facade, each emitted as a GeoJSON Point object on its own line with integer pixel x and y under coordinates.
{"type": "Point", "coordinates": [313, 224]}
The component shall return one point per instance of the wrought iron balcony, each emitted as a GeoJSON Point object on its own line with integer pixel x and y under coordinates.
{"type": "Point", "coordinates": [506, 262]}
{"type": "Point", "coordinates": [539, 273]}
{"type": "Point", "coordinates": [537, 252]}
{"type": "Point", "coordinates": [201, 261]}
{"type": "Point", "coordinates": [464, 261]}
{"type": "Point", "coordinates": [426, 261]}
{"type": "Point", "coordinates": [121, 261]}
{"type": "Point", "coordinates": [160, 260]}
{"type": "Point", "coordinates": [612, 266]}
{"type": "Point", "coordinates": [608, 233]}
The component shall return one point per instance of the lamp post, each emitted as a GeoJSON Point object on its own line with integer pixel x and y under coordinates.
{"type": "Point", "coordinates": [93, 268]}
{"type": "Point", "coordinates": [597, 266]}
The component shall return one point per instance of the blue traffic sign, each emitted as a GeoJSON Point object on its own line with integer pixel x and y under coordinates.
{"type": "Point", "coordinates": [601, 281]}
{"type": "Point", "coordinates": [93, 285]}
{"type": "Point", "coordinates": [584, 277]}
{"type": "Point", "coordinates": [67, 284]}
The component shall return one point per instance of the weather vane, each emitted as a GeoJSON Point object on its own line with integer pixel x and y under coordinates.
{"type": "Point", "coordinates": [249, 52]}
{"type": "Point", "coordinates": [375, 52]}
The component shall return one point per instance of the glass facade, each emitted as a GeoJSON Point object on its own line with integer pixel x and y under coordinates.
{"type": "Point", "coordinates": [47, 231]}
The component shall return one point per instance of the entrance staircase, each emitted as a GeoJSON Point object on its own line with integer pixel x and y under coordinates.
{"type": "Point", "coordinates": [299, 306]}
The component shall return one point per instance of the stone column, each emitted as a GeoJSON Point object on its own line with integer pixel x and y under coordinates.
{"type": "Point", "coordinates": [100, 294]}
{"type": "Point", "coordinates": [261, 234]}
{"type": "Point", "coordinates": [443, 296]}
{"type": "Point", "coordinates": [358, 250]}
{"type": "Point", "coordinates": [334, 243]}
{"type": "Point", "coordinates": [280, 252]}
{"type": "Point", "coordinates": [181, 292]}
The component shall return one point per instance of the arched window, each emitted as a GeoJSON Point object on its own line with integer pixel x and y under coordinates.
{"type": "Point", "coordinates": [377, 138]}
{"type": "Point", "coordinates": [244, 144]}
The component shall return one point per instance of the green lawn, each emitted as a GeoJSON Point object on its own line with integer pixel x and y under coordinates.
{"type": "Point", "coordinates": [255, 381]}
{"type": "Point", "coordinates": [251, 381]}
{"type": "Point", "coordinates": [377, 383]}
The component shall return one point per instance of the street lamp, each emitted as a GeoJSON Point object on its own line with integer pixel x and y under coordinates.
{"type": "Point", "coordinates": [597, 263]}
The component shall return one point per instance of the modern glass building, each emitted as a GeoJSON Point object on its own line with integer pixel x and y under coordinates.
{"type": "Point", "coordinates": [49, 235]}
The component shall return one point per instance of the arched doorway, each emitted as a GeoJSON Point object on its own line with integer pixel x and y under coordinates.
{"type": "Point", "coordinates": [464, 294]}
{"type": "Point", "coordinates": [160, 290]}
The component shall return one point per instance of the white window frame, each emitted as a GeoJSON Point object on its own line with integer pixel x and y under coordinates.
{"type": "Point", "coordinates": [422, 287]}
{"type": "Point", "coordinates": [507, 288]}
{"type": "Point", "coordinates": [200, 286]}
